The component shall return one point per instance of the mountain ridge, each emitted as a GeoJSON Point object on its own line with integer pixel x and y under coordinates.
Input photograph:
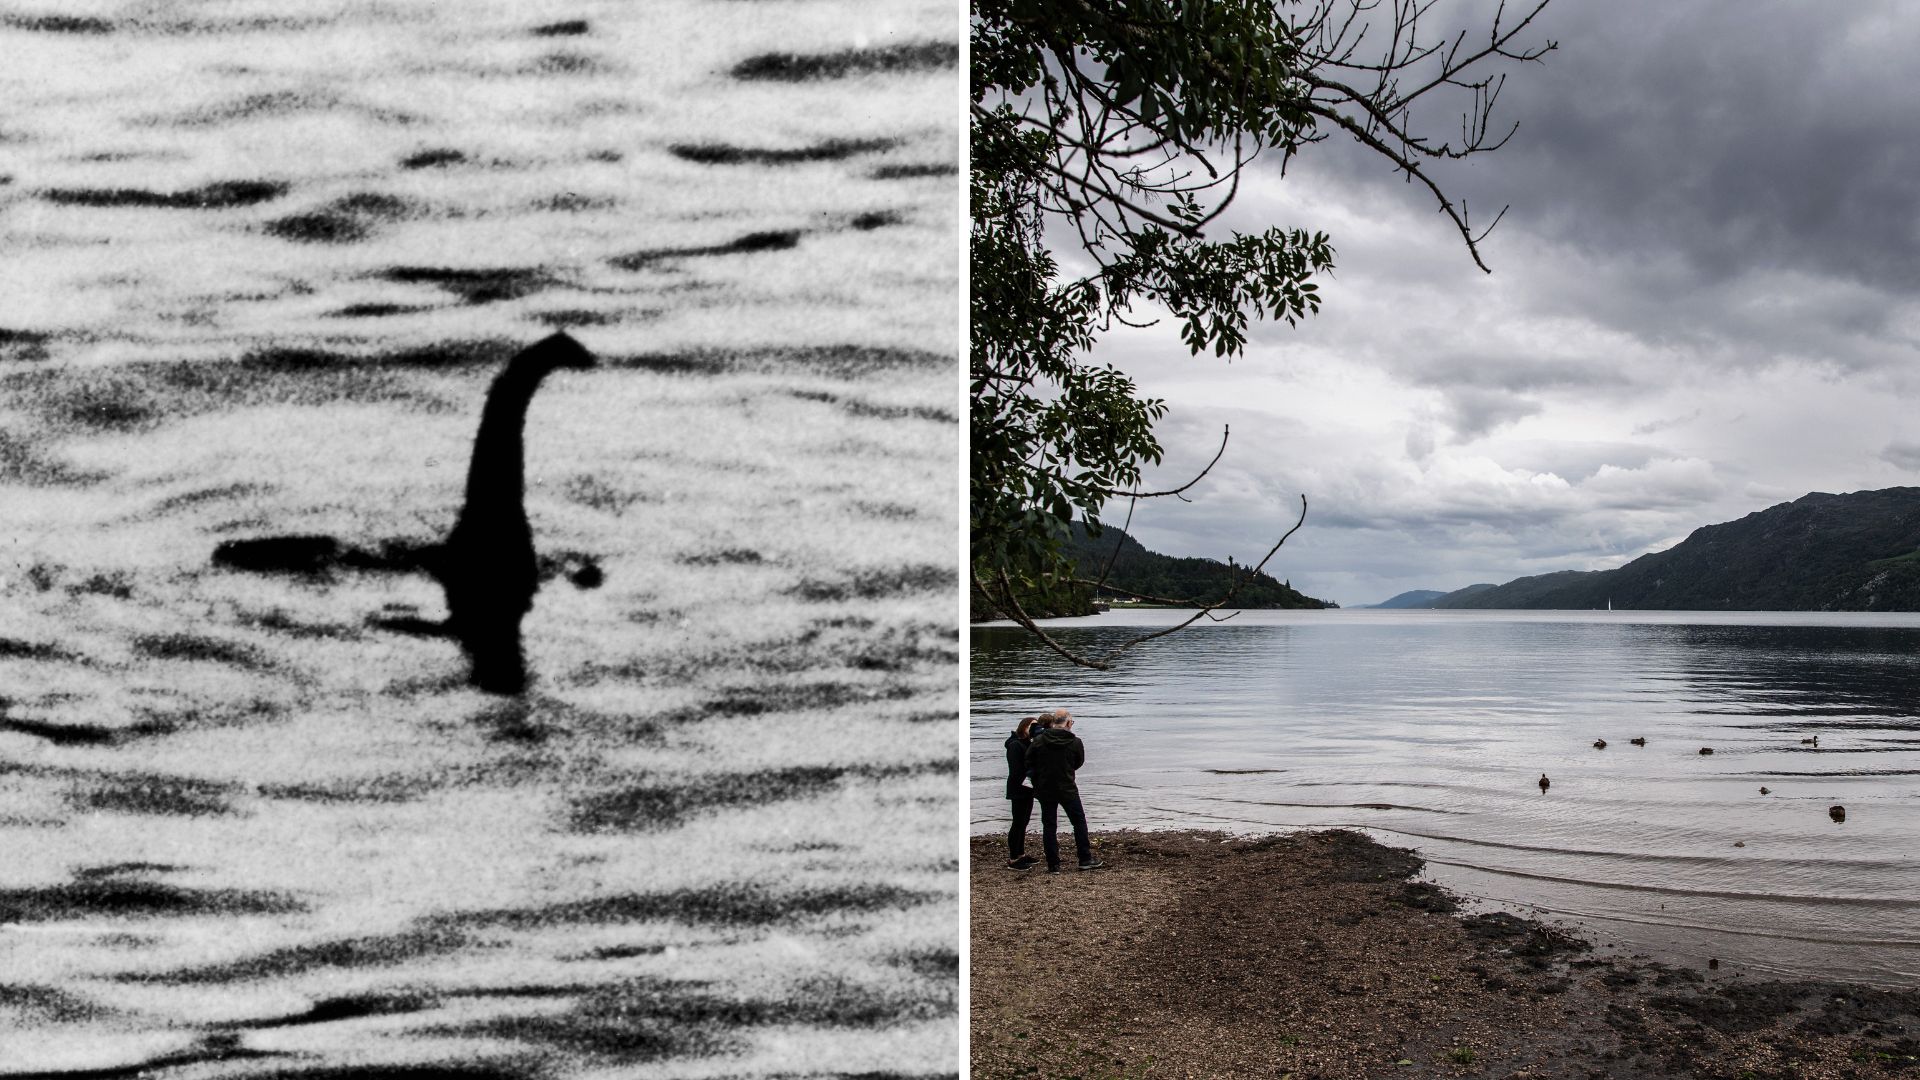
{"type": "Point", "coordinates": [1410, 598]}
{"type": "Point", "coordinates": [1857, 551]}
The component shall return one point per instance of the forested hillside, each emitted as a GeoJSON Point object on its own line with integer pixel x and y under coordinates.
{"type": "Point", "coordinates": [1137, 571]}
{"type": "Point", "coordinates": [1853, 552]}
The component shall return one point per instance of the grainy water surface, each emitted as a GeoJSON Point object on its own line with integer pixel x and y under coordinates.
{"type": "Point", "coordinates": [1431, 730]}
{"type": "Point", "coordinates": [258, 263]}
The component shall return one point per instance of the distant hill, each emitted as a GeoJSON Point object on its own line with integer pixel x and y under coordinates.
{"type": "Point", "coordinates": [1149, 573]}
{"type": "Point", "coordinates": [1415, 598]}
{"type": "Point", "coordinates": [1820, 552]}
{"type": "Point", "coordinates": [1460, 594]}
{"type": "Point", "coordinates": [1541, 590]}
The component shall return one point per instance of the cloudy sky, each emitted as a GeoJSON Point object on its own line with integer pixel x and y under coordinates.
{"type": "Point", "coordinates": [1705, 300]}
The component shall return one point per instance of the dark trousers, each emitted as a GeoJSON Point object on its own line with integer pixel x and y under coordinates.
{"type": "Point", "coordinates": [1022, 813]}
{"type": "Point", "coordinates": [1049, 820]}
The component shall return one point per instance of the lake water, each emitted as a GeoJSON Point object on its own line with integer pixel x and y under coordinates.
{"type": "Point", "coordinates": [261, 261]}
{"type": "Point", "coordinates": [1431, 730]}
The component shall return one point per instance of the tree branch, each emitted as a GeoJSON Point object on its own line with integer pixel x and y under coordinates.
{"type": "Point", "coordinates": [1019, 615]}
{"type": "Point", "coordinates": [1225, 430]}
{"type": "Point", "coordinates": [1106, 662]}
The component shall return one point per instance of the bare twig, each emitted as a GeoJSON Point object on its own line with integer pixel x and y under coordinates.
{"type": "Point", "coordinates": [1105, 663]}
{"type": "Point", "coordinates": [1009, 604]}
{"type": "Point", "coordinates": [1095, 133]}
{"type": "Point", "coordinates": [1225, 430]}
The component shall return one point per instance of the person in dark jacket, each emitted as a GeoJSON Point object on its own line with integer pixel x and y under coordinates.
{"type": "Point", "coordinates": [1021, 794]}
{"type": "Point", "coordinates": [1054, 753]}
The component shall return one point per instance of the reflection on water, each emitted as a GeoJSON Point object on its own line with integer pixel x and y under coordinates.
{"type": "Point", "coordinates": [1432, 728]}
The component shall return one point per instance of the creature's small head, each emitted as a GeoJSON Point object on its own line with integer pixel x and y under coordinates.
{"type": "Point", "coordinates": [561, 351]}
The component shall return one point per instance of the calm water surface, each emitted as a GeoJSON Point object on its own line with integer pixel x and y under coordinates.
{"type": "Point", "coordinates": [1431, 729]}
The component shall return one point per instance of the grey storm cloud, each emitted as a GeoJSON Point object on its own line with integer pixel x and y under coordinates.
{"type": "Point", "coordinates": [1473, 412]}
{"type": "Point", "coordinates": [1481, 393]}
{"type": "Point", "coordinates": [1741, 136]}
{"type": "Point", "coordinates": [1740, 181]}
{"type": "Point", "coordinates": [1904, 455]}
{"type": "Point", "coordinates": [1515, 374]}
{"type": "Point", "coordinates": [1654, 427]}
{"type": "Point", "coordinates": [1731, 174]}
{"type": "Point", "coordinates": [1576, 461]}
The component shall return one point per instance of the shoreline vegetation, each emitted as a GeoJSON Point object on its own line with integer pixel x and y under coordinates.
{"type": "Point", "coordinates": [1316, 956]}
{"type": "Point", "coordinates": [1132, 576]}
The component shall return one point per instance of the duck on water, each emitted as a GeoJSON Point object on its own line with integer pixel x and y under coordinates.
{"type": "Point", "coordinates": [487, 565]}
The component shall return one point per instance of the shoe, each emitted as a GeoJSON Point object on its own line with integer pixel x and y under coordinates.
{"type": "Point", "coordinates": [1053, 868]}
{"type": "Point", "coordinates": [1024, 862]}
{"type": "Point", "coordinates": [1092, 864]}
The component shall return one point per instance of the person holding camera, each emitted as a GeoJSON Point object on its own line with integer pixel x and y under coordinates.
{"type": "Point", "coordinates": [1020, 794]}
{"type": "Point", "coordinates": [1054, 753]}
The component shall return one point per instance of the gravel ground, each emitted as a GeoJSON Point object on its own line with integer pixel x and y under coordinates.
{"type": "Point", "coordinates": [1314, 955]}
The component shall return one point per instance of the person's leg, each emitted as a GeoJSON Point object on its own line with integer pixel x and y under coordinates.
{"type": "Point", "coordinates": [1078, 816]}
{"type": "Point", "coordinates": [1049, 819]}
{"type": "Point", "coordinates": [1017, 835]}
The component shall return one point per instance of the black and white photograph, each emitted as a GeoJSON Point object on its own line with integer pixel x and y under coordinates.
{"type": "Point", "coordinates": [479, 487]}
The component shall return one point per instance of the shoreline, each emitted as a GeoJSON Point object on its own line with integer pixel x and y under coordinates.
{"type": "Point", "coordinates": [1315, 955]}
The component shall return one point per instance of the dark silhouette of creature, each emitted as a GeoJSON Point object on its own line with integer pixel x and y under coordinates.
{"type": "Point", "coordinates": [487, 565]}
{"type": "Point", "coordinates": [1837, 813]}
{"type": "Point", "coordinates": [1544, 783]}
{"type": "Point", "coordinates": [1599, 744]}
{"type": "Point", "coordinates": [1638, 742]}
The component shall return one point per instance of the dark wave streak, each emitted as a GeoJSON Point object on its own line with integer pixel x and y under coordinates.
{"type": "Point", "coordinates": [890, 59]}
{"type": "Point", "coordinates": [1834, 774]}
{"type": "Point", "coordinates": [63, 734]}
{"type": "Point", "coordinates": [1332, 806]}
{"type": "Point", "coordinates": [655, 805]}
{"type": "Point", "coordinates": [1718, 894]}
{"type": "Point", "coordinates": [1378, 783]}
{"type": "Point", "coordinates": [212, 1053]}
{"type": "Point", "coordinates": [734, 905]}
{"type": "Point", "coordinates": [1623, 856]}
{"type": "Point", "coordinates": [726, 154]}
{"type": "Point", "coordinates": [1705, 928]}
{"type": "Point", "coordinates": [224, 195]}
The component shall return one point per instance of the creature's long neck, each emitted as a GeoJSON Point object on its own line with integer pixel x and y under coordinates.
{"type": "Point", "coordinates": [496, 478]}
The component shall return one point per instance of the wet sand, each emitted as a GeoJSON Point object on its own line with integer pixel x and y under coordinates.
{"type": "Point", "coordinates": [1315, 955]}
